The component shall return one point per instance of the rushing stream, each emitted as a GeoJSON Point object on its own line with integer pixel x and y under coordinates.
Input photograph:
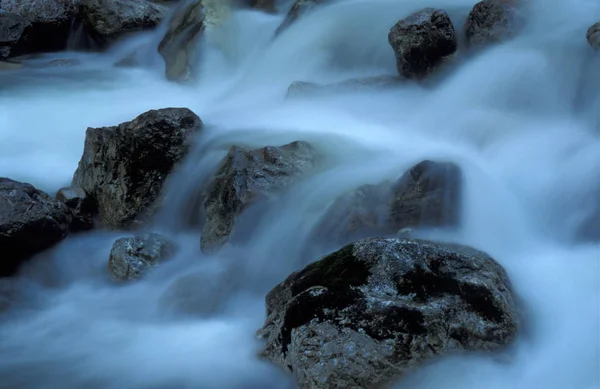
{"type": "Point", "coordinates": [522, 119]}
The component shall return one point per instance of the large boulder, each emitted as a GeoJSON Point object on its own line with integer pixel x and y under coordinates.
{"type": "Point", "coordinates": [427, 195]}
{"type": "Point", "coordinates": [243, 178]}
{"type": "Point", "coordinates": [491, 21]}
{"type": "Point", "coordinates": [593, 35]}
{"type": "Point", "coordinates": [422, 42]}
{"type": "Point", "coordinates": [13, 33]}
{"type": "Point", "coordinates": [30, 222]}
{"type": "Point", "coordinates": [132, 257]}
{"type": "Point", "coordinates": [108, 20]}
{"type": "Point", "coordinates": [377, 308]}
{"type": "Point", "coordinates": [301, 88]}
{"type": "Point", "coordinates": [123, 168]}
{"type": "Point", "coordinates": [51, 22]}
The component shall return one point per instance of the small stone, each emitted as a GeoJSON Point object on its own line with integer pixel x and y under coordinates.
{"type": "Point", "coordinates": [131, 258]}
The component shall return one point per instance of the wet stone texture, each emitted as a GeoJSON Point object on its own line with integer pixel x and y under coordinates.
{"type": "Point", "coordinates": [132, 257]}
{"type": "Point", "coordinates": [366, 314]}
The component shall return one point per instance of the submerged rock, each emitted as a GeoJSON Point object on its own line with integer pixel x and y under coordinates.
{"type": "Point", "coordinates": [123, 168]}
{"type": "Point", "coordinates": [366, 314]}
{"type": "Point", "coordinates": [13, 33]}
{"type": "Point", "coordinates": [300, 88]}
{"type": "Point", "coordinates": [264, 5]}
{"type": "Point", "coordinates": [422, 42]}
{"type": "Point", "coordinates": [51, 22]}
{"type": "Point", "coordinates": [244, 177]}
{"type": "Point", "coordinates": [131, 258]}
{"type": "Point", "coordinates": [30, 222]}
{"type": "Point", "coordinates": [300, 7]}
{"type": "Point", "coordinates": [111, 19]}
{"type": "Point", "coordinates": [427, 195]}
{"type": "Point", "coordinates": [593, 35]}
{"type": "Point", "coordinates": [491, 21]}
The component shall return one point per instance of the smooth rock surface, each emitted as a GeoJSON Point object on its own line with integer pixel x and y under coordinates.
{"type": "Point", "coordinates": [301, 88]}
{"type": "Point", "coordinates": [132, 257]}
{"type": "Point", "coordinates": [365, 315]}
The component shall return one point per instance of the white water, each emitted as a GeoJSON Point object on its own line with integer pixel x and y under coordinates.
{"type": "Point", "coordinates": [522, 119]}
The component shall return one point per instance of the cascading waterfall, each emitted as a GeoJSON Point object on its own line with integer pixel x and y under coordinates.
{"type": "Point", "coordinates": [522, 119]}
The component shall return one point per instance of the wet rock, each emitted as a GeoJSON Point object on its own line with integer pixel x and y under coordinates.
{"type": "Point", "coordinates": [243, 178]}
{"type": "Point", "coordinates": [132, 257]}
{"type": "Point", "coordinates": [377, 308]}
{"type": "Point", "coordinates": [593, 36]}
{"type": "Point", "coordinates": [30, 222]}
{"type": "Point", "coordinates": [51, 22]}
{"type": "Point", "coordinates": [264, 5]}
{"type": "Point", "coordinates": [110, 19]}
{"type": "Point", "coordinates": [123, 168]}
{"type": "Point", "coordinates": [14, 30]}
{"type": "Point", "coordinates": [428, 195]}
{"type": "Point", "coordinates": [81, 206]}
{"type": "Point", "coordinates": [422, 42]}
{"type": "Point", "coordinates": [491, 21]}
{"type": "Point", "coordinates": [300, 88]}
{"type": "Point", "coordinates": [300, 7]}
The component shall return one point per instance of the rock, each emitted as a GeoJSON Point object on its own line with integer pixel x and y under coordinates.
{"type": "Point", "coordinates": [491, 21]}
{"type": "Point", "coordinates": [428, 195]}
{"type": "Point", "coordinates": [593, 35]}
{"type": "Point", "coordinates": [50, 20]}
{"type": "Point", "coordinates": [81, 205]}
{"type": "Point", "coordinates": [300, 88]}
{"type": "Point", "coordinates": [300, 7]}
{"type": "Point", "coordinates": [30, 222]}
{"type": "Point", "coordinates": [377, 308]}
{"type": "Point", "coordinates": [10, 65]}
{"type": "Point", "coordinates": [131, 258]}
{"type": "Point", "coordinates": [14, 30]}
{"type": "Point", "coordinates": [264, 5]}
{"type": "Point", "coordinates": [243, 178]}
{"type": "Point", "coordinates": [422, 42]}
{"type": "Point", "coordinates": [123, 168]}
{"type": "Point", "coordinates": [108, 20]}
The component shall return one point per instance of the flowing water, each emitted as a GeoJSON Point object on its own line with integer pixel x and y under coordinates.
{"type": "Point", "coordinates": [522, 119]}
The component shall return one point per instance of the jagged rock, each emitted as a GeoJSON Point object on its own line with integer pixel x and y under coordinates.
{"type": "Point", "coordinates": [81, 205]}
{"type": "Point", "coordinates": [593, 35]}
{"type": "Point", "coordinates": [422, 42]}
{"type": "Point", "coordinates": [366, 314]}
{"type": "Point", "coordinates": [123, 168]}
{"type": "Point", "coordinates": [300, 7]}
{"type": "Point", "coordinates": [14, 30]}
{"type": "Point", "coordinates": [491, 21]}
{"type": "Point", "coordinates": [301, 88]}
{"type": "Point", "coordinates": [428, 195]}
{"type": "Point", "coordinates": [30, 222]}
{"type": "Point", "coordinates": [244, 177]}
{"type": "Point", "coordinates": [132, 257]}
{"type": "Point", "coordinates": [110, 19]}
{"type": "Point", "coordinates": [50, 20]}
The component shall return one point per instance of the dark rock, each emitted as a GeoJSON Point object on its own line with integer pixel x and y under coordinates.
{"type": "Point", "coordinates": [491, 21]}
{"type": "Point", "coordinates": [131, 258]}
{"type": "Point", "coordinates": [422, 42]}
{"type": "Point", "coordinates": [14, 30]}
{"type": "Point", "coordinates": [300, 88]}
{"type": "Point", "coordinates": [300, 7]}
{"type": "Point", "coordinates": [244, 177]}
{"type": "Point", "coordinates": [264, 5]}
{"type": "Point", "coordinates": [428, 195]}
{"type": "Point", "coordinates": [51, 22]}
{"type": "Point", "coordinates": [593, 35]}
{"type": "Point", "coordinates": [30, 222]}
{"type": "Point", "coordinates": [81, 205]}
{"type": "Point", "coordinates": [109, 20]}
{"type": "Point", "coordinates": [123, 168]}
{"type": "Point", "coordinates": [377, 308]}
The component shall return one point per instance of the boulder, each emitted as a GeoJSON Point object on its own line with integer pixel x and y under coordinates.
{"type": "Point", "coordinates": [366, 314]}
{"type": "Point", "coordinates": [422, 42]}
{"type": "Point", "coordinates": [109, 20]}
{"type": "Point", "coordinates": [243, 178]}
{"type": "Point", "coordinates": [123, 168]}
{"type": "Point", "coordinates": [593, 36]}
{"type": "Point", "coordinates": [427, 195]}
{"type": "Point", "coordinates": [301, 88]}
{"type": "Point", "coordinates": [81, 205]}
{"type": "Point", "coordinates": [30, 222]}
{"type": "Point", "coordinates": [132, 257]}
{"type": "Point", "coordinates": [51, 22]}
{"type": "Point", "coordinates": [14, 30]}
{"type": "Point", "coordinates": [300, 7]}
{"type": "Point", "coordinates": [491, 21]}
